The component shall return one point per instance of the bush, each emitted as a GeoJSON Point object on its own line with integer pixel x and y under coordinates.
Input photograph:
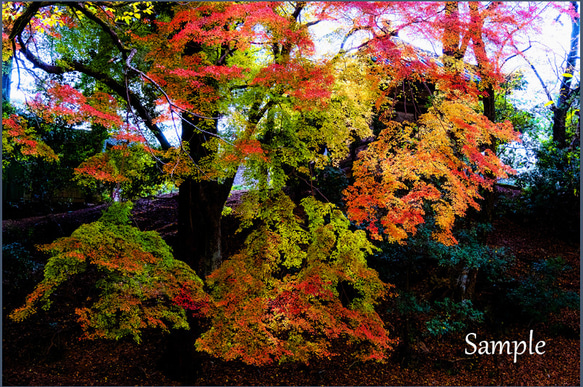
{"type": "Point", "coordinates": [138, 282]}
{"type": "Point", "coordinates": [427, 274]}
{"type": "Point", "coordinates": [538, 295]}
{"type": "Point", "coordinates": [452, 317]}
{"type": "Point", "coordinates": [296, 287]}
{"type": "Point", "coordinates": [551, 189]}
{"type": "Point", "coordinates": [470, 252]}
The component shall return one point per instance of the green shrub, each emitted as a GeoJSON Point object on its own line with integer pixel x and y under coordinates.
{"type": "Point", "coordinates": [453, 316]}
{"type": "Point", "coordinates": [470, 252]}
{"type": "Point", "coordinates": [538, 295]}
{"type": "Point", "coordinates": [408, 303]}
{"type": "Point", "coordinates": [551, 189]}
{"type": "Point", "coordinates": [438, 268]}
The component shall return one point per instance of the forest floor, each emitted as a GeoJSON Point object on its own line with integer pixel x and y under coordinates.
{"type": "Point", "coordinates": [46, 349]}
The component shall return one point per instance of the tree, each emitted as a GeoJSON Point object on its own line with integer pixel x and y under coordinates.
{"type": "Point", "coordinates": [243, 83]}
{"type": "Point", "coordinates": [463, 102]}
{"type": "Point", "coordinates": [551, 186]}
{"type": "Point", "coordinates": [569, 90]}
{"type": "Point", "coordinates": [134, 272]}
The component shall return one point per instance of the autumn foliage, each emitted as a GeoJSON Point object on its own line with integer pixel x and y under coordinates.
{"type": "Point", "coordinates": [22, 141]}
{"type": "Point", "coordinates": [134, 274]}
{"type": "Point", "coordinates": [437, 161]}
{"type": "Point", "coordinates": [297, 286]}
{"type": "Point", "coordinates": [122, 167]}
{"type": "Point", "coordinates": [248, 82]}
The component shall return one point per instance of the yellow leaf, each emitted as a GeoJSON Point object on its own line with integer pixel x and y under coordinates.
{"type": "Point", "coordinates": [549, 103]}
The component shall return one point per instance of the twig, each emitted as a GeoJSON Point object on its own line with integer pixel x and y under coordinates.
{"type": "Point", "coordinates": [314, 188]}
{"type": "Point", "coordinates": [536, 73]}
{"type": "Point", "coordinates": [518, 53]}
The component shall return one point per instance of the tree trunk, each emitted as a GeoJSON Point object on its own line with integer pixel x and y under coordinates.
{"type": "Point", "coordinates": [467, 283]}
{"type": "Point", "coordinates": [489, 201]}
{"type": "Point", "coordinates": [566, 92]}
{"type": "Point", "coordinates": [559, 127]}
{"type": "Point", "coordinates": [200, 206]}
{"type": "Point", "coordinates": [181, 361]}
{"type": "Point", "coordinates": [489, 102]}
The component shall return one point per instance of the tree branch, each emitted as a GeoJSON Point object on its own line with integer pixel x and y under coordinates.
{"type": "Point", "coordinates": [114, 85]}
{"type": "Point", "coordinates": [518, 53]}
{"type": "Point", "coordinates": [348, 35]}
{"type": "Point", "coordinates": [107, 29]}
{"type": "Point", "coordinates": [312, 23]}
{"type": "Point", "coordinates": [298, 9]}
{"type": "Point", "coordinates": [256, 113]}
{"type": "Point", "coordinates": [21, 22]}
{"type": "Point", "coordinates": [544, 86]}
{"type": "Point", "coordinates": [343, 50]}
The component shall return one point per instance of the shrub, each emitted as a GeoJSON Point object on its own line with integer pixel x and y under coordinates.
{"type": "Point", "coordinates": [538, 295]}
{"type": "Point", "coordinates": [551, 189]}
{"type": "Point", "coordinates": [453, 316]}
{"type": "Point", "coordinates": [138, 281]}
{"type": "Point", "coordinates": [470, 252]}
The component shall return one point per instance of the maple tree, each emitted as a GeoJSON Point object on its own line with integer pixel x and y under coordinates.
{"type": "Point", "coordinates": [243, 82]}
{"type": "Point", "coordinates": [134, 272]}
{"type": "Point", "coordinates": [485, 34]}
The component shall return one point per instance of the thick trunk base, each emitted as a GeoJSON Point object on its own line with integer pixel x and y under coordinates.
{"type": "Point", "coordinates": [200, 205]}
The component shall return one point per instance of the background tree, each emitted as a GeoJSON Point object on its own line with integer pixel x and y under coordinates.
{"type": "Point", "coordinates": [569, 88]}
